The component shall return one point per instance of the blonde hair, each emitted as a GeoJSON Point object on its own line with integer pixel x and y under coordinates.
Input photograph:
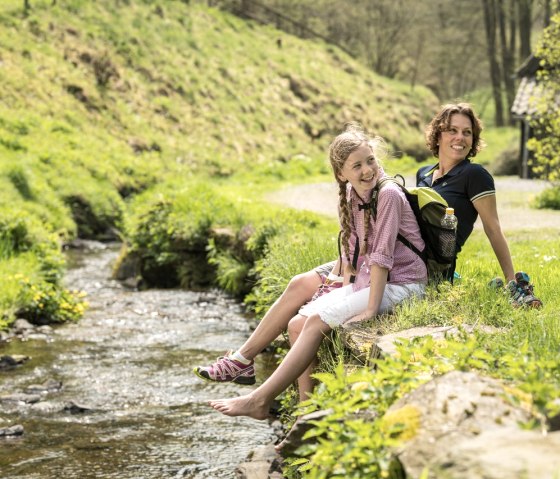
{"type": "Point", "coordinates": [340, 149]}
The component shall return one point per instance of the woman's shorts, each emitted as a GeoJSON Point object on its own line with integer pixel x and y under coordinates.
{"type": "Point", "coordinates": [342, 304]}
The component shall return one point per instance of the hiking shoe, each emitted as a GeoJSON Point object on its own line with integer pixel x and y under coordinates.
{"type": "Point", "coordinates": [521, 292]}
{"type": "Point", "coordinates": [226, 369]}
{"type": "Point", "coordinates": [497, 284]}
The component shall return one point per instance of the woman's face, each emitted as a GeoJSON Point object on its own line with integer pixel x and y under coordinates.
{"type": "Point", "coordinates": [456, 141]}
{"type": "Point", "coordinates": [360, 169]}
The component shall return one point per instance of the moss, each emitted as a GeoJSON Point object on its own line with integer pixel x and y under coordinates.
{"type": "Point", "coordinates": [402, 423]}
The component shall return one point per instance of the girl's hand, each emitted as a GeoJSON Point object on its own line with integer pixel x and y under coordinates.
{"type": "Point", "coordinates": [367, 314]}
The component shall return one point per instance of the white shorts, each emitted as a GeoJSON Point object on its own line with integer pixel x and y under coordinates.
{"type": "Point", "coordinates": [342, 304]}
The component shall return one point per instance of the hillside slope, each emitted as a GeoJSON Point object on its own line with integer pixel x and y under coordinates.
{"type": "Point", "coordinates": [103, 100]}
{"type": "Point", "coordinates": [188, 84]}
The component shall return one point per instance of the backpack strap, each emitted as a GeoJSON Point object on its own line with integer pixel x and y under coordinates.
{"type": "Point", "coordinates": [374, 200]}
{"type": "Point", "coordinates": [383, 181]}
{"type": "Point", "coordinates": [354, 258]}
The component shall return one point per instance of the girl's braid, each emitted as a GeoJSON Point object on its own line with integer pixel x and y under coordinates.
{"type": "Point", "coordinates": [345, 219]}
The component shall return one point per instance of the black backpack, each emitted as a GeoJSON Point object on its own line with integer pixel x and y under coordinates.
{"type": "Point", "coordinates": [429, 208]}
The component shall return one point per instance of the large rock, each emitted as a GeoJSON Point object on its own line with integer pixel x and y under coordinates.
{"type": "Point", "coordinates": [503, 454]}
{"type": "Point", "coordinates": [366, 343]}
{"type": "Point", "coordinates": [449, 412]}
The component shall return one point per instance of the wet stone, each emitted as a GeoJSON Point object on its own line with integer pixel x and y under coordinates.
{"type": "Point", "coordinates": [48, 407]}
{"type": "Point", "coordinates": [21, 398]}
{"type": "Point", "coordinates": [74, 408]}
{"type": "Point", "coordinates": [11, 431]}
{"type": "Point", "coordinates": [50, 385]}
{"type": "Point", "coordinates": [9, 362]}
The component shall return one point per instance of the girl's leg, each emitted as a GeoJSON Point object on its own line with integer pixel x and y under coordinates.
{"type": "Point", "coordinates": [305, 382]}
{"type": "Point", "coordinates": [257, 403]}
{"type": "Point", "coordinates": [298, 292]}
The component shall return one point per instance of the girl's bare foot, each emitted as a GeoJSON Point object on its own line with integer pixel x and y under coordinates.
{"type": "Point", "coordinates": [242, 406]}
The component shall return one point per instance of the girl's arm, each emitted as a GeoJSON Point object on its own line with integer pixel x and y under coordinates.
{"type": "Point", "coordinates": [378, 281]}
{"type": "Point", "coordinates": [488, 212]}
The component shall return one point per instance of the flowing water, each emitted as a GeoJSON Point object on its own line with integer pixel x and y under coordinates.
{"type": "Point", "coordinates": [129, 405]}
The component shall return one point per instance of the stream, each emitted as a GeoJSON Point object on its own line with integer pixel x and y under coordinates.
{"type": "Point", "coordinates": [114, 395]}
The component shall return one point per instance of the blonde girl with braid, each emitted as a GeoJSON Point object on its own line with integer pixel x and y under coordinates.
{"type": "Point", "coordinates": [388, 272]}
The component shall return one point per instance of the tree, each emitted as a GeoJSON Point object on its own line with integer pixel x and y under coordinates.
{"type": "Point", "coordinates": [546, 120]}
{"type": "Point", "coordinates": [490, 21]}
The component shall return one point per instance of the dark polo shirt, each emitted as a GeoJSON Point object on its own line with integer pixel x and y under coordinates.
{"type": "Point", "coordinates": [464, 184]}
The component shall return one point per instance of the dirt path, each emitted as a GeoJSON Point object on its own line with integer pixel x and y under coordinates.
{"type": "Point", "coordinates": [514, 196]}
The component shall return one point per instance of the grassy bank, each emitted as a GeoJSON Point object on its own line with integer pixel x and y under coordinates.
{"type": "Point", "coordinates": [102, 101]}
{"type": "Point", "coordinates": [165, 125]}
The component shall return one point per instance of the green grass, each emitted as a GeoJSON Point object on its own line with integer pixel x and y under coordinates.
{"type": "Point", "coordinates": [521, 352]}
{"type": "Point", "coordinates": [102, 101]}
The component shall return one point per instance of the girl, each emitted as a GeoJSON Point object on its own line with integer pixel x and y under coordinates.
{"type": "Point", "coordinates": [389, 272]}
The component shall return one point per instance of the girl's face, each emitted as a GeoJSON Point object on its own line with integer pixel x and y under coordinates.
{"type": "Point", "coordinates": [456, 141]}
{"type": "Point", "coordinates": [360, 169]}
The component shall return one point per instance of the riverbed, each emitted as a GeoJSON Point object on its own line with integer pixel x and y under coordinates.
{"type": "Point", "coordinates": [114, 396]}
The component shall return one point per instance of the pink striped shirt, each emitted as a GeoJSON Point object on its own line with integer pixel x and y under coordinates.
{"type": "Point", "coordinates": [394, 215]}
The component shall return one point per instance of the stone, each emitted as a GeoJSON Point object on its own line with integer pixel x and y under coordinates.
{"type": "Point", "coordinates": [294, 438]}
{"type": "Point", "coordinates": [11, 431]}
{"type": "Point", "coordinates": [262, 463]}
{"type": "Point", "coordinates": [450, 410]}
{"type": "Point", "coordinates": [74, 408]}
{"type": "Point", "coordinates": [21, 398]}
{"type": "Point", "coordinates": [503, 454]}
{"type": "Point", "coordinates": [85, 245]}
{"type": "Point", "coordinates": [386, 345]}
{"type": "Point", "coordinates": [366, 343]}
{"type": "Point", "coordinates": [359, 339]}
{"type": "Point", "coordinates": [50, 385]}
{"type": "Point", "coordinates": [9, 362]}
{"type": "Point", "coordinates": [22, 326]}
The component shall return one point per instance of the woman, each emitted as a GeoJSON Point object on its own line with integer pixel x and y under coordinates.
{"type": "Point", "coordinates": [374, 291]}
{"type": "Point", "coordinates": [453, 137]}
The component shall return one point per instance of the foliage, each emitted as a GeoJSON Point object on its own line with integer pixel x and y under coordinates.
{"type": "Point", "coordinates": [395, 38]}
{"type": "Point", "coordinates": [287, 256]}
{"type": "Point", "coordinates": [198, 222]}
{"type": "Point", "coordinates": [549, 198]}
{"type": "Point", "coordinates": [546, 119]}
{"type": "Point", "coordinates": [43, 302]}
{"type": "Point", "coordinates": [357, 437]}
{"type": "Point", "coordinates": [104, 100]}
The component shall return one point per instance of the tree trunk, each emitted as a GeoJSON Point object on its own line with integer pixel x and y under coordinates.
{"type": "Point", "coordinates": [489, 7]}
{"type": "Point", "coordinates": [524, 12]}
{"type": "Point", "coordinates": [507, 50]}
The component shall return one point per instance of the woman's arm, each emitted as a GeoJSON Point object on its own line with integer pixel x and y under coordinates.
{"type": "Point", "coordinates": [488, 212]}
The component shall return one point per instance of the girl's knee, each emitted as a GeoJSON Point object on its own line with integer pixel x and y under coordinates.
{"type": "Point", "coordinates": [296, 324]}
{"type": "Point", "coordinates": [315, 323]}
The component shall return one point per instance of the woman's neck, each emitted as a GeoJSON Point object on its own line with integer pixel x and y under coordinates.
{"type": "Point", "coordinates": [444, 167]}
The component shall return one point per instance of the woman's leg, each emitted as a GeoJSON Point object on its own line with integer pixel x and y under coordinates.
{"type": "Point", "coordinates": [305, 382]}
{"type": "Point", "coordinates": [299, 357]}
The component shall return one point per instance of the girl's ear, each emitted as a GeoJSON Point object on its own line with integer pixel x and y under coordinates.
{"type": "Point", "coordinates": [341, 177]}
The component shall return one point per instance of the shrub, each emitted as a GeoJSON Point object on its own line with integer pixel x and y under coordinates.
{"type": "Point", "coordinates": [549, 198]}
{"type": "Point", "coordinates": [43, 302]}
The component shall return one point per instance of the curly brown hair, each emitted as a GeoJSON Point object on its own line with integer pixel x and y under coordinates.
{"type": "Point", "coordinates": [340, 149]}
{"type": "Point", "coordinates": [441, 122]}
